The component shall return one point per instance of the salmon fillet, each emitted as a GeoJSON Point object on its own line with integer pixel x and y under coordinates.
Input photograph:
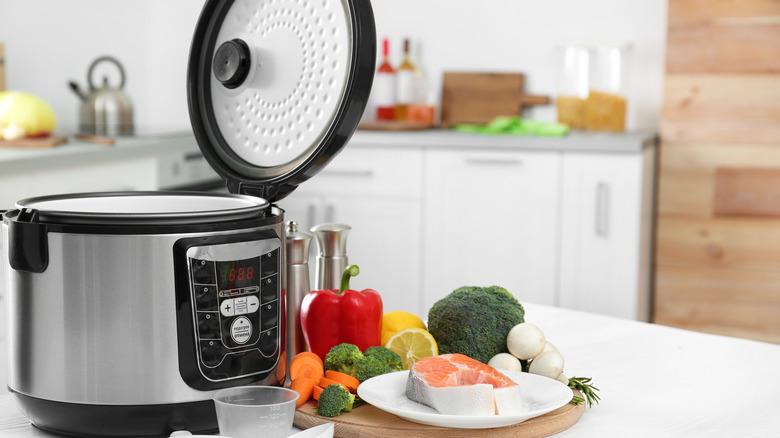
{"type": "Point", "coordinates": [459, 385]}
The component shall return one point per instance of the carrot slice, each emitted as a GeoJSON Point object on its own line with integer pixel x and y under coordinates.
{"type": "Point", "coordinates": [316, 391]}
{"type": "Point", "coordinates": [304, 386]}
{"type": "Point", "coordinates": [306, 364]}
{"type": "Point", "coordinates": [345, 379]}
{"type": "Point", "coordinates": [325, 382]}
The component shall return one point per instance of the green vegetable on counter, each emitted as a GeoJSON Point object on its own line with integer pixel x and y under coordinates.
{"type": "Point", "coordinates": [386, 355]}
{"type": "Point", "coordinates": [583, 385]}
{"type": "Point", "coordinates": [475, 321]}
{"type": "Point", "coordinates": [342, 358]}
{"type": "Point", "coordinates": [515, 125]}
{"type": "Point", "coordinates": [334, 400]}
{"type": "Point", "coordinates": [375, 362]}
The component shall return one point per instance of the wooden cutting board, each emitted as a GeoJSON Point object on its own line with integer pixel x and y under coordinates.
{"type": "Point", "coordinates": [44, 142]}
{"type": "Point", "coordinates": [477, 98]}
{"type": "Point", "coordinates": [369, 421]}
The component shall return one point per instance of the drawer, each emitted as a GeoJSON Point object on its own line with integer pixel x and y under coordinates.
{"type": "Point", "coordinates": [370, 172]}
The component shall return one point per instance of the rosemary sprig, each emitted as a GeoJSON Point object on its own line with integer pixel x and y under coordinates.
{"type": "Point", "coordinates": [587, 389]}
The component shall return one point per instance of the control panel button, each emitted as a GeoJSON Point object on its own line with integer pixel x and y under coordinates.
{"type": "Point", "coordinates": [211, 353]}
{"type": "Point", "coordinates": [205, 297]}
{"type": "Point", "coordinates": [269, 263]}
{"type": "Point", "coordinates": [252, 304]}
{"type": "Point", "coordinates": [208, 325]}
{"type": "Point", "coordinates": [240, 304]}
{"type": "Point", "coordinates": [269, 290]}
{"type": "Point", "coordinates": [227, 308]}
{"type": "Point", "coordinates": [269, 342]}
{"type": "Point", "coordinates": [203, 271]}
{"type": "Point", "coordinates": [241, 330]}
{"type": "Point", "coordinates": [269, 315]}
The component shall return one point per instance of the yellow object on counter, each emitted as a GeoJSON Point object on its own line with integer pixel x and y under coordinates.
{"type": "Point", "coordinates": [24, 114]}
{"type": "Point", "coordinates": [412, 345]}
{"type": "Point", "coordinates": [605, 112]}
{"type": "Point", "coordinates": [397, 320]}
{"type": "Point", "coordinates": [571, 111]}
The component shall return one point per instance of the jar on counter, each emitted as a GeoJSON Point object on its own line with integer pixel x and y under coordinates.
{"type": "Point", "coordinates": [573, 72]}
{"type": "Point", "coordinates": [605, 107]}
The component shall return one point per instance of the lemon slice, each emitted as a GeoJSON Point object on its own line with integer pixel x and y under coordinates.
{"type": "Point", "coordinates": [412, 345]}
{"type": "Point", "coordinates": [397, 320]}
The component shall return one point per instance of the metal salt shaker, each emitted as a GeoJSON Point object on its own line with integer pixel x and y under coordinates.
{"type": "Point", "coordinates": [298, 285]}
{"type": "Point", "coordinates": [332, 257]}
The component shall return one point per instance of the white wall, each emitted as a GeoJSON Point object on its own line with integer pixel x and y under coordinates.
{"type": "Point", "coordinates": [49, 42]}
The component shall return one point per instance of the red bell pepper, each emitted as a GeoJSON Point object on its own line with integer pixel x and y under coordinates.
{"type": "Point", "coordinates": [331, 317]}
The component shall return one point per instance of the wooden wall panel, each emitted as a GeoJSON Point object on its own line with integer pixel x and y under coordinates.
{"type": "Point", "coordinates": [723, 301]}
{"type": "Point", "coordinates": [686, 183]}
{"type": "Point", "coordinates": [733, 243]}
{"type": "Point", "coordinates": [719, 273]}
{"type": "Point", "coordinates": [735, 46]}
{"type": "Point", "coordinates": [721, 108]}
{"type": "Point", "coordinates": [723, 36]}
{"type": "Point", "coordinates": [686, 12]}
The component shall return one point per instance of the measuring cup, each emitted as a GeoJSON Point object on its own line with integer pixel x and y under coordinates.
{"type": "Point", "coordinates": [254, 411]}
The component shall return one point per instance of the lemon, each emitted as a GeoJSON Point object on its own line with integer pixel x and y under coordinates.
{"type": "Point", "coordinates": [413, 344]}
{"type": "Point", "coordinates": [397, 320]}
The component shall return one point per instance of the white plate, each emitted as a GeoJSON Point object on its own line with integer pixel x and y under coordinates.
{"type": "Point", "coordinates": [540, 395]}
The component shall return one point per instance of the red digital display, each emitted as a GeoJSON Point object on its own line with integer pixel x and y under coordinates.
{"type": "Point", "coordinates": [241, 274]}
{"type": "Point", "coordinates": [238, 273]}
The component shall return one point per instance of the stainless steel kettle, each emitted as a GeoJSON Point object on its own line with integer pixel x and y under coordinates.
{"type": "Point", "coordinates": [105, 110]}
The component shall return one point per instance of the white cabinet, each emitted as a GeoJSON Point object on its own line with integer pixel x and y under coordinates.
{"type": "Point", "coordinates": [131, 174]}
{"type": "Point", "coordinates": [378, 193]}
{"type": "Point", "coordinates": [606, 216]}
{"type": "Point", "coordinates": [491, 219]}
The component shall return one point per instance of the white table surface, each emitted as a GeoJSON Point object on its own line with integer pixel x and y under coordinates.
{"type": "Point", "coordinates": [655, 381]}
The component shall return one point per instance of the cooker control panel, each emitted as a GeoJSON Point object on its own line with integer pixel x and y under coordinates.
{"type": "Point", "coordinates": [235, 298]}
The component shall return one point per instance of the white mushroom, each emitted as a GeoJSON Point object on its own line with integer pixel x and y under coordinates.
{"type": "Point", "coordinates": [548, 364]}
{"type": "Point", "coordinates": [525, 341]}
{"type": "Point", "coordinates": [505, 361]}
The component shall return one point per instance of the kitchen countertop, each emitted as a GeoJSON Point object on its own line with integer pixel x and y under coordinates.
{"type": "Point", "coordinates": [655, 381]}
{"type": "Point", "coordinates": [576, 141]}
{"type": "Point", "coordinates": [14, 160]}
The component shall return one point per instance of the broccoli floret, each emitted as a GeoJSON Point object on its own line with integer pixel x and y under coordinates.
{"type": "Point", "coordinates": [335, 399]}
{"type": "Point", "coordinates": [474, 321]}
{"type": "Point", "coordinates": [369, 367]}
{"type": "Point", "coordinates": [342, 357]}
{"type": "Point", "coordinates": [386, 355]}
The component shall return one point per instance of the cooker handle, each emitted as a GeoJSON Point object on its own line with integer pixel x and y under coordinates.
{"type": "Point", "coordinates": [28, 245]}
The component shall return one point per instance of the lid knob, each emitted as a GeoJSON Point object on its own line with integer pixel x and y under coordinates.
{"type": "Point", "coordinates": [231, 63]}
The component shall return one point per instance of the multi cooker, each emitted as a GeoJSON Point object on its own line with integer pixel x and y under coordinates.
{"type": "Point", "coordinates": [127, 310]}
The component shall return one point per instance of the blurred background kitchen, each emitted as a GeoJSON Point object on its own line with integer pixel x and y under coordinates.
{"type": "Point", "coordinates": [699, 237]}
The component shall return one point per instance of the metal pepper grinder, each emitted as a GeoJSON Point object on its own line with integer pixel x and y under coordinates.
{"type": "Point", "coordinates": [332, 257]}
{"type": "Point", "coordinates": [298, 285]}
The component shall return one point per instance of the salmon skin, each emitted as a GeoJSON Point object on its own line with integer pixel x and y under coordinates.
{"type": "Point", "coordinates": [456, 384]}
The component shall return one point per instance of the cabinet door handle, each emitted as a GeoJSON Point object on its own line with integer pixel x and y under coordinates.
{"type": "Point", "coordinates": [493, 162]}
{"type": "Point", "coordinates": [602, 209]}
{"type": "Point", "coordinates": [349, 173]}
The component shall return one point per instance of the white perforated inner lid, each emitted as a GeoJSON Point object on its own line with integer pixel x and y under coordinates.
{"type": "Point", "coordinates": [300, 52]}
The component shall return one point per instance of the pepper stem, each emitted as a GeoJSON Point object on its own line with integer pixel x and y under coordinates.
{"type": "Point", "coordinates": [349, 272]}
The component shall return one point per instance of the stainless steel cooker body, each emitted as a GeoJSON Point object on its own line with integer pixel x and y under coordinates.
{"type": "Point", "coordinates": [125, 322]}
{"type": "Point", "coordinates": [99, 326]}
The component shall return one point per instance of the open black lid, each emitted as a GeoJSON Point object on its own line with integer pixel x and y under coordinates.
{"type": "Point", "coordinates": [277, 87]}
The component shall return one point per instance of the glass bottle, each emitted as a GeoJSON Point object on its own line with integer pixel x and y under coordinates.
{"type": "Point", "coordinates": [384, 87]}
{"type": "Point", "coordinates": [405, 85]}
